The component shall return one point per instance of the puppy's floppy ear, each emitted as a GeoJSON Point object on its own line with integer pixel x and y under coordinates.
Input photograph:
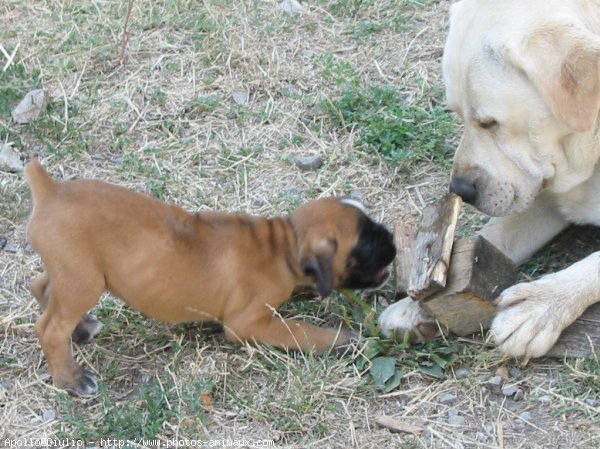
{"type": "Point", "coordinates": [317, 262]}
{"type": "Point", "coordinates": [563, 61]}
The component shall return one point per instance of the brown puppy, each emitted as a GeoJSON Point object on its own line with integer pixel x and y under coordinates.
{"type": "Point", "coordinates": [176, 267]}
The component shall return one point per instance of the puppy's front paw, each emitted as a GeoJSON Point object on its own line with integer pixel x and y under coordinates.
{"type": "Point", "coordinates": [346, 343]}
{"type": "Point", "coordinates": [532, 317]}
{"type": "Point", "coordinates": [407, 316]}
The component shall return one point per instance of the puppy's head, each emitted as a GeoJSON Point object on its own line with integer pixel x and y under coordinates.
{"type": "Point", "coordinates": [340, 246]}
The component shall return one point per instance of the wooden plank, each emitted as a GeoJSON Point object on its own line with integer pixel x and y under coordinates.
{"type": "Point", "coordinates": [434, 246]}
{"type": "Point", "coordinates": [478, 273]}
{"type": "Point", "coordinates": [405, 237]}
{"type": "Point", "coordinates": [582, 338]}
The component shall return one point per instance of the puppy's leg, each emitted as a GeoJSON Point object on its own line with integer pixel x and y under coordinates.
{"type": "Point", "coordinates": [66, 303]}
{"type": "Point", "coordinates": [263, 327]}
{"type": "Point", "coordinates": [87, 328]}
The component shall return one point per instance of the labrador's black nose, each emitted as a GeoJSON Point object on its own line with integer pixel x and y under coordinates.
{"type": "Point", "coordinates": [464, 188]}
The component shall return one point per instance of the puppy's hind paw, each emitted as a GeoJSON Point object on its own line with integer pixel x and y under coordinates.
{"type": "Point", "coordinates": [86, 329]}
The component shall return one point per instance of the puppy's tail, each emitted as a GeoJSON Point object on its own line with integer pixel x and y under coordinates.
{"type": "Point", "coordinates": [41, 184]}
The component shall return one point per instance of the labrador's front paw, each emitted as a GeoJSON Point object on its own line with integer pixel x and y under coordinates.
{"type": "Point", "coordinates": [532, 316]}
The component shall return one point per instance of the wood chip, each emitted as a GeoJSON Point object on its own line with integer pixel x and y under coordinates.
{"type": "Point", "coordinates": [398, 426]}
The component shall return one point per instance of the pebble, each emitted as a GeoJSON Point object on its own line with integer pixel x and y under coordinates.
{"type": "Point", "coordinates": [356, 195]}
{"type": "Point", "coordinates": [290, 6]}
{"type": "Point", "coordinates": [456, 420]}
{"type": "Point", "coordinates": [30, 107]}
{"type": "Point", "coordinates": [240, 97]}
{"type": "Point", "coordinates": [10, 159]}
{"type": "Point", "coordinates": [3, 241]}
{"type": "Point", "coordinates": [462, 372]}
{"type": "Point", "coordinates": [546, 399]}
{"type": "Point", "coordinates": [515, 373]}
{"type": "Point", "coordinates": [495, 380]}
{"type": "Point", "coordinates": [519, 395]}
{"type": "Point", "coordinates": [447, 398]}
{"type": "Point", "coordinates": [509, 389]}
{"type": "Point", "coordinates": [11, 248]}
{"type": "Point", "coordinates": [591, 402]}
{"type": "Point", "coordinates": [481, 437]}
{"type": "Point", "coordinates": [48, 415]}
{"type": "Point", "coordinates": [308, 54]}
{"type": "Point", "coordinates": [309, 162]}
{"type": "Point", "coordinates": [526, 416]}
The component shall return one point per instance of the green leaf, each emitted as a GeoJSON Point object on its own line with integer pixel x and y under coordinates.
{"type": "Point", "coordinates": [393, 383]}
{"type": "Point", "coordinates": [371, 349]}
{"type": "Point", "coordinates": [433, 371]}
{"type": "Point", "coordinates": [383, 369]}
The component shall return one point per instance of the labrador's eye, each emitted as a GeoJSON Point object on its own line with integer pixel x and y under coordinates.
{"type": "Point", "coordinates": [488, 123]}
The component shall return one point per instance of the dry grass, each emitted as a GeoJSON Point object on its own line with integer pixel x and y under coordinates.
{"type": "Point", "coordinates": [165, 122]}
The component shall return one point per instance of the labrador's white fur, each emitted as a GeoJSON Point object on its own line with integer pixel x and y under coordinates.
{"type": "Point", "coordinates": [525, 78]}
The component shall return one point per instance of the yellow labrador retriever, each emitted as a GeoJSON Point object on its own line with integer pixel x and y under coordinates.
{"type": "Point", "coordinates": [525, 78]}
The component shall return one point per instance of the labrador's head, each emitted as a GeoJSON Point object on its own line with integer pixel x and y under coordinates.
{"type": "Point", "coordinates": [525, 78]}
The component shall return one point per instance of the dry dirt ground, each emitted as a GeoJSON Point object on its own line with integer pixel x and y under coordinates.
{"type": "Point", "coordinates": [207, 104]}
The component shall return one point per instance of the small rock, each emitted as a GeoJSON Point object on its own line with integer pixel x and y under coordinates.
{"type": "Point", "coordinates": [489, 428]}
{"type": "Point", "coordinates": [591, 402]}
{"type": "Point", "coordinates": [456, 420]}
{"type": "Point", "coordinates": [294, 191]}
{"type": "Point", "coordinates": [462, 372]}
{"type": "Point", "coordinates": [515, 373]}
{"type": "Point", "coordinates": [3, 241]}
{"type": "Point", "coordinates": [546, 399]}
{"type": "Point", "coordinates": [509, 389]}
{"type": "Point", "coordinates": [9, 159]}
{"type": "Point", "coordinates": [11, 248]}
{"type": "Point", "coordinates": [447, 398]}
{"type": "Point", "coordinates": [481, 437]}
{"type": "Point", "coordinates": [495, 380]}
{"type": "Point", "coordinates": [507, 426]}
{"type": "Point", "coordinates": [290, 6]}
{"type": "Point", "coordinates": [308, 54]}
{"type": "Point", "coordinates": [48, 415]}
{"type": "Point", "coordinates": [309, 162]}
{"type": "Point", "coordinates": [356, 195]}
{"type": "Point", "coordinates": [98, 157]}
{"type": "Point", "coordinates": [30, 107]}
{"type": "Point", "coordinates": [240, 97]}
{"type": "Point", "coordinates": [526, 416]}
{"type": "Point", "coordinates": [6, 384]}
{"type": "Point", "coordinates": [519, 395]}
{"type": "Point", "coordinates": [453, 412]}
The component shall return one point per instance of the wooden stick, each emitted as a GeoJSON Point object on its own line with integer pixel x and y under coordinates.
{"type": "Point", "coordinates": [433, 247]}
{"type": "Point", "coordinates": [405, 235]}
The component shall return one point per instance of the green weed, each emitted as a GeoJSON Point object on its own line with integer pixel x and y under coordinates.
{"type": "Point", "coordinates": [398, 130]}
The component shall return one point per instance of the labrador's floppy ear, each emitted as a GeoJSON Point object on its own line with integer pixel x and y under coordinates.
{"type": "Point", "coordinates": [317, 262]}
{"type": "Point", "coordinates": [563, 61]}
